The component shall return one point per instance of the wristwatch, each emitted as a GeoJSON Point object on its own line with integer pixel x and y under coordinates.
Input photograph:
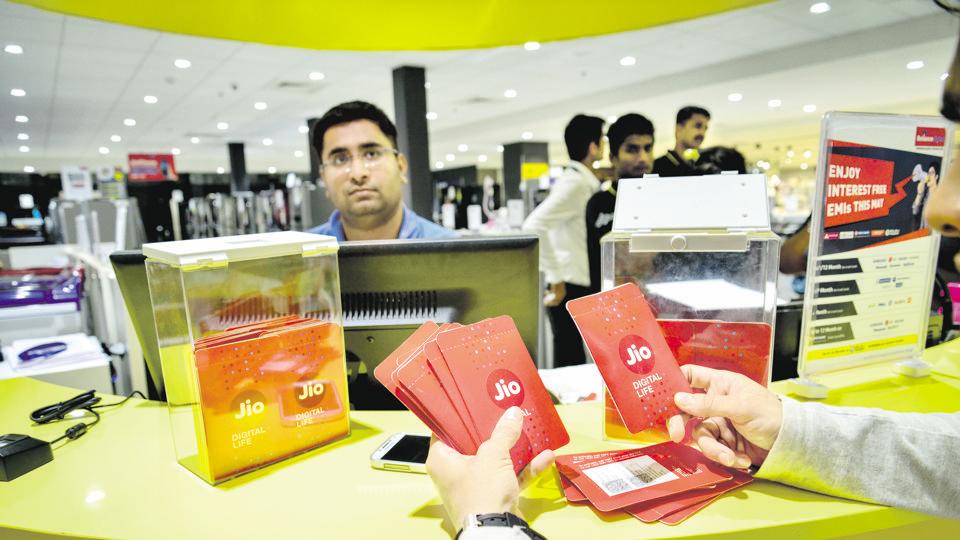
{"type": "Point", "coordinates": [505, 519]}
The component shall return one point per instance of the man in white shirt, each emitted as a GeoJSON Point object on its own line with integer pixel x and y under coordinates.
{"type": "Point", "coordinates": [559, 222]}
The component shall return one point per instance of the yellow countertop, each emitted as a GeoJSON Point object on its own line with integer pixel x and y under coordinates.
{"type": "Point", "coordinates": [121, 480]}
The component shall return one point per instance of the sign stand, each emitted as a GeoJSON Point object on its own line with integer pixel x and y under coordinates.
{"type": "Point", "coordinates": [871, 262]}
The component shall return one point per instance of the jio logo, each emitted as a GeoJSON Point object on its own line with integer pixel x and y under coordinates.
{"type": "Point", "coordinates": [309, 393]}
{"type": "Point", "coordinates": [247, 404]}
{"type": "Point", "coordinates": [636, 354]}
{"type": "Point", "coordinates": [504, 388]}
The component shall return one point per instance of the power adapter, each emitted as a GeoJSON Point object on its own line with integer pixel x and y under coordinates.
{"type": "Point", "coordinates": [20, 454]}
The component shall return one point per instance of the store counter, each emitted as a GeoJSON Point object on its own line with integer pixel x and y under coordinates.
{"type": "Point", "coordinates": [121, 480]}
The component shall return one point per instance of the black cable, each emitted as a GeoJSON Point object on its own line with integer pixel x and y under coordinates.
{"type": "Point", "coordinates": [87, 402]}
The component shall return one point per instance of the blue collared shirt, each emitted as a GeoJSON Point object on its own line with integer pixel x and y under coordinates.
{"type": "Point", "coordinates": [412, 226]}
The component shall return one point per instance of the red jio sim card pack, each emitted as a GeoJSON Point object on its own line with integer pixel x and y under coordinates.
{"type": "Point", "coordinates": [617, 480]}
{"type": "Point", "coordinates": [459, 380]}
{"type": "Point", "coordinates": [634, 360]}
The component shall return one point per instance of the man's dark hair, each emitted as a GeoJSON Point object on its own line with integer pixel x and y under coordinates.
{"type": "Point", "coordinates": [348, 112]}
{"type": "Point", "coordinates": [580, 132]}
{"type": "Point", "coordinates": [625, 126]}
{"type": "Point", "coordinates": [687, 113]}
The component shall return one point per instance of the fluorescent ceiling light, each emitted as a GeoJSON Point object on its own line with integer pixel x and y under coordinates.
{"type": "Point", "coordinates": [628, 61]}
{"type": "Point", "coordinates": [915, 64]}
{"type": "Point", "coordinates": [182, 63]}
{"type": "Point", "coordinates": [23, 137]}
{"type": "Point", "coordinates": [316, 76]}
{"type": "Point", "coordinates": [24, 148]}
{"type": "Point", "coordinates": [17, 92]}
{"type": "Point", "coordinates": [28, 169]}
{"type": "Point", "coordinates": [21, 119]}
{"type": "Point", "coordinates": [819, 7]}
{"type": "Point", "coordinates": [260, 106]}
{"type": "Point", "coordinates": [13, 48]}
{"type": "Point", "coordinates": [532, 45]}
{"type": "Point", "coordinates": [150, 99]}
{"type": "Point", "coordinates": [115, 138]}
{"type": "Point", "coordinates": [129, 122]}
{"type": "Point", "coordinates": [223, 126]}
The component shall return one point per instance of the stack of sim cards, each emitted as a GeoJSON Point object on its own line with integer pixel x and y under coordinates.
{"type": "Point", "coordinates": [459, 380]}
{"type": "Point", "coordinates": [665, 482]}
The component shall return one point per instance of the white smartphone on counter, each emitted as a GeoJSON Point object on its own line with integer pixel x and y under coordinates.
{"type": "Point", "coordinates": [405, 452]}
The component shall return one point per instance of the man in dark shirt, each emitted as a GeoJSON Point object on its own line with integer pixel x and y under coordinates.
{"type": "Point", "coordinates": [631, 154]}
{"type": "Point", "coordinates": [692, 124]}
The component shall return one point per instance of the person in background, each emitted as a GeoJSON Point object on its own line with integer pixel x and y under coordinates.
{"type": "Point", "coordinates": [559, 222]}
{"type": "Point", "coordinates": [631, 154]}
{"type": "Point", "coordinates": [364, 174]}
{"type": "Point", "coordinates": [683, 160]}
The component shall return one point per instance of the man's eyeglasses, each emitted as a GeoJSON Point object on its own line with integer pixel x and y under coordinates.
{"type": "Point", "coordinates": [342, 162]}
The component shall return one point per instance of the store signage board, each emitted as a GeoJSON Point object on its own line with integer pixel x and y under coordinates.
{"type": "Point", "coordinates": [871, 261]}
{"type": "Point", "coordinates": [151, 167]}
{"type": "Point", "coordinates": [76, 183]}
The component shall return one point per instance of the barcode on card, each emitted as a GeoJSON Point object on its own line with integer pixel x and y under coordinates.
{"type": "Point", "coordinates": [629, 475]}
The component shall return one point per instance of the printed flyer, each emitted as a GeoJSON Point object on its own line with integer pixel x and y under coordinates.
{"type": "Point", "coordinates": [872, 256]}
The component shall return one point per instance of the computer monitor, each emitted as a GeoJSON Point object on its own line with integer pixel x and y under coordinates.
{"type": "Point", "coordinates": [389, 288]}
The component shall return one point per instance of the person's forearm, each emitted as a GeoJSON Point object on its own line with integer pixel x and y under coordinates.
{"type": "Point", "coordinates": [898, 459]}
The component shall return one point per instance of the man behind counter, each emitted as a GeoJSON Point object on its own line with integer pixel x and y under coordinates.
{"type": "Point", "coordinates": [364, 174]}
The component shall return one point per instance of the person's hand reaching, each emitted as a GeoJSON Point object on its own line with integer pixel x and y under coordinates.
{"type": "Point", "coordinates": [741, 418]}
{"type": "Point", "coordinates": [484, 483]}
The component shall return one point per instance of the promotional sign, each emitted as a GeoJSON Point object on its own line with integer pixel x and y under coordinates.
{"type": "Point", "coordinates": [111, 183]}
{"type": "Point", "coordinates": [76, 182]}
{"type": "Point", "coordinates": [871, 259]}
{"type": "Point", "coordinates": [151, 167]}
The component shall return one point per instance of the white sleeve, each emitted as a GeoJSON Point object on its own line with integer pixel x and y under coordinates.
{"type": "Point", "coordinates": [907, 460]}
{"type": "Point", "coordinates": [564, 203]}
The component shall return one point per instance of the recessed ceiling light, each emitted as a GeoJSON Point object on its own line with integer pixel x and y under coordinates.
{"type": "Point", "coordinates": [23, 137]}
{"type": "Point", "coordinates": [809, 108]}
{"type": "Point", "coordinates": [532, 45]}
{"type": "Point", "coordinates": [28, 169]}
{"type": "Point", "coordinates": [268, 142]}
{"type": "Point", "coordinates": [260, 106]}
{"type": "Point", "coordinates": [150, 99]}
{"type": "Point", "coordinates": [431, 116]}
{"type": "Point", "coordinates": [272, 170]}
{"type": "Point", "coordinates": [462, 148]}
{"type": "Point", "coordinates": [526, 135]}
{"type": "Point", "coordinates": [819, 7]}
{"type": "Point", "coordinates": [509, 93]}
{"type": "Point", "coordinates": [790, 153]}
{"type": "Point", "coordinates": [807, 154]}
{"type": "Point", "coordinates": [735, 97]}
{"type": "Point", "coordinates": [628, 61]}
{"type": "Point", "coordinates": [438, 165]}
{"type": "Point", "coordinates": [915, 64]}
{"type": "Point", "coordinates": [103, 150]}
{"type": "Point", "coordinates": [24, 148]}
{"type": "Point", "coordinates": [13, 49]}
{"type": "Point", "coordinates": [303, 130]}
{"type": "Point", "coordinates": [220, 170]}
{"type": "Point", "coordinates": [182, 63]}
{"type": "Point", "coordinates": [316, 76]}
{"type": "Point", "coordinates": [222, 126]}
{"type": "Point", "coordinates": [115, 138]}
{"type": "Point", "coordinates": [499, 148]}
{"type": "Point", "coordinates": [195, 140]}
{"type": "Point", "coordinates": [175, 151]}
{"type": "Point", "coordinates": [450, 157]}
{"type": "Point", "coordinates": [298, 153]}
{"type": "Point", "coordinates": [482, 158]}
{"type": "Point", "coordinates": [803, 166]}
{"type": "Point", "coordinates": [21, 119]}
{"type": "Point", "coordinates": [774, 103]}
{"type": "Point", "coordinates": [129, 122]}
{"type": "Point", "coordinates": [944, 76]}
{"type": "Point", "coordinates": [17, 92]}
{"type": "Point", "coordinates": [427, 85]}
{"type": "Point", "coordinates": [611, 119]}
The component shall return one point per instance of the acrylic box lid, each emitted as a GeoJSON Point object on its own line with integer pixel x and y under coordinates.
{"type": "Point", "coordinates": [721, 201]}
{"type": "Point", "coordinates": [217, 251]}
